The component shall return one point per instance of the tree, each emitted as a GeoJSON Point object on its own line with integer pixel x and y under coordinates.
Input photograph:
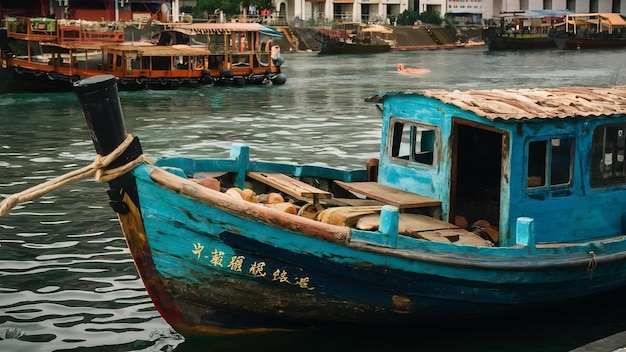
{"type": "Point", "coordinates": [433, 17]}
{"type": "Point", "coordinates": [232, 7]}
{"type": "Point", "coordinates": [409, 17]}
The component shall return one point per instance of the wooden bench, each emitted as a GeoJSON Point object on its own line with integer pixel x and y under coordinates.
{"type": "Point", "coordinates": [291, 186]}
{"type": "Point", "coordinates": [390, 195]}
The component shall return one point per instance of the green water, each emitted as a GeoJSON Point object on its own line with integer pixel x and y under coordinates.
{"type": "Point", "coordinates": [67, 281]}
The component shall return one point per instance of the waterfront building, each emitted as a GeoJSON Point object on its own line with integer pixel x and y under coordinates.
{"type": "Point", "coordinates": [469, 12]}
{"type": "Point", "coordinates": [492, 8]}
{"type": "Point", "coordinates": [106, 10]}
{"type": "Point", "coordinates": [294, 12]}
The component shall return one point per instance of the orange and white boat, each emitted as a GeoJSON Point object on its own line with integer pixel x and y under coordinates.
{"type": "Point", "coordinates": [41, 54]}
{"type": "Point", "coordinates": [412, 71]}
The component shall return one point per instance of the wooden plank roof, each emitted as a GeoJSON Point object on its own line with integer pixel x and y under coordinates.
{"type": "Point", "coordinates": [532, 103]}
{"type": "Point", "coordinates": [145, 49]}
{"type": "Point", "coordinates": [160, 50]}
{"type": "Point", "coordinates": [229, 27]}
{"type": "Point", "coordinates": [612, 19]}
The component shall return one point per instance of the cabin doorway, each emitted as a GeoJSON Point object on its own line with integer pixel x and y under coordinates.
{"type": "Point", "coordinates": [477, 173]}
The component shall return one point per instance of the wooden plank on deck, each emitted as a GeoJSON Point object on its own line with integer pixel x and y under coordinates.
{"type": "Point", "coordinates": [390, 195]}
{"type": "Point", "coordinates": [289, 185]}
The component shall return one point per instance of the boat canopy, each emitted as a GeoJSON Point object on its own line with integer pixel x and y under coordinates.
{"type": "Point", "coordinates": [228, 27]}
{"type": "Point", "coordinates": [600, 20]}
{"type": "Point", "coordinates": [537, 14]}
{"type": "Point", "coordinates": [606, 19]}
{"type": "Point", "coordinates": [537, 103]}
{"type": "Point", "coordinates": [615, 19]}
{"type": "Point", "coordinates": [378, 29]}
{"type": "Point", "coordinates": [160, 50]}
{"type": "Point", "coordinates": [547, 13]}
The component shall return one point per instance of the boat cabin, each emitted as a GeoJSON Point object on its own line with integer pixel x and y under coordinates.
{"type": "Point", "coordinates": [137, 62]}
{"type": "Point", "coordinates": [493, 157]}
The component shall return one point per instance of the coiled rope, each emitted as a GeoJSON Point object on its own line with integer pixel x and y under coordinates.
{"type": "Point", "coordinates": [97, 168]}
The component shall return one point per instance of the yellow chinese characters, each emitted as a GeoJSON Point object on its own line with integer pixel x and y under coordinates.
{"type": "Point", "coordinates": [236, 263]}
{"type": "Point", "coordinates": [257, 269]}
{"type": "Point", "coordinates": [281, 276]}
{"type": "Point", "coordinates": [217, 258]}
{"type": "Point", "coordinates": [197, 249]}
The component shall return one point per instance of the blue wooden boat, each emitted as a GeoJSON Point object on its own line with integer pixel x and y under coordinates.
{"type": "Point", "coordinates": [481, 204]}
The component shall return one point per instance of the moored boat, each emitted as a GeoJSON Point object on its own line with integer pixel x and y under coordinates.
{"type": "Point", "coordinates": [240, 53]}
{"type": "Point", "coordinates": [481, 203]}
{"type": "Point", "coordinates": [353, 38]}
{"type": "Point", "coordinates": [592, 31]}
{"type": "Point", "coordinates": [523, 30]}
{"type": "Point", "coordinates": [40, 54]}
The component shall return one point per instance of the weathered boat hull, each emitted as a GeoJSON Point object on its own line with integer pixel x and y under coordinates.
{"type": "Point", "coordinates": [572, 43]}
{"type": "Point", "coordinates": [28, 81]}
{"type": "Point", "coordinates": [496, 42]}
{"type": "Point", "coordinates": [17, 80]}
{"type": "Point", "coordinates": [335, 47]}
{"type": "Point", "coordinates": [210, 270]}
{"type": "Point", "coordinates": [12, 81]}
{"type": "Point", "coordinates": [511, 44]}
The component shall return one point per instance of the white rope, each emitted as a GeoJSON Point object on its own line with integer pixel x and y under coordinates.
{"type": "Point", "coordinates": [97, 168]}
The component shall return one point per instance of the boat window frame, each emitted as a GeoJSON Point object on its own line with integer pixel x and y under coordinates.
{"type": "Point", "coordinates": [430, 158]}
{"type": "Point", "coordinates": [613, 180]}
{"type": "Point", "coordinates": [547, 180]}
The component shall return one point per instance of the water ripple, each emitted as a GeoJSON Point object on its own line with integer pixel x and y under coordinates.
{"type": "Point", "coordinates": [67, 281]}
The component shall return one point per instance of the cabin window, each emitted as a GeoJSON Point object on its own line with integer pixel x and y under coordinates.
{"type": "Point", "coordinates": [550, 163]}
{"type": "Point", "coordinates": [413, 142]}
{"type": "Point", "coordinates": [607, 159]}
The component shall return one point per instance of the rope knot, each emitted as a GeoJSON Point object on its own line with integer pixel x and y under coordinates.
{"type": "Point", "coordinates": [592, 264]}
{"type": "Point", "coordinates": [99, 168]}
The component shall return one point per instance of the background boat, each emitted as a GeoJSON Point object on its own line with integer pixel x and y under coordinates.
{"type": "Point", "coordinates": [592, 30]}
{"type": "Point", "coordinates": [353, 38]}
{"type": "Point", "coordinates": [40, 54]}
{"type": "Point", "coordinates": [240, 53]}
{"type": "Point", "coordinates": [523, 30]}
